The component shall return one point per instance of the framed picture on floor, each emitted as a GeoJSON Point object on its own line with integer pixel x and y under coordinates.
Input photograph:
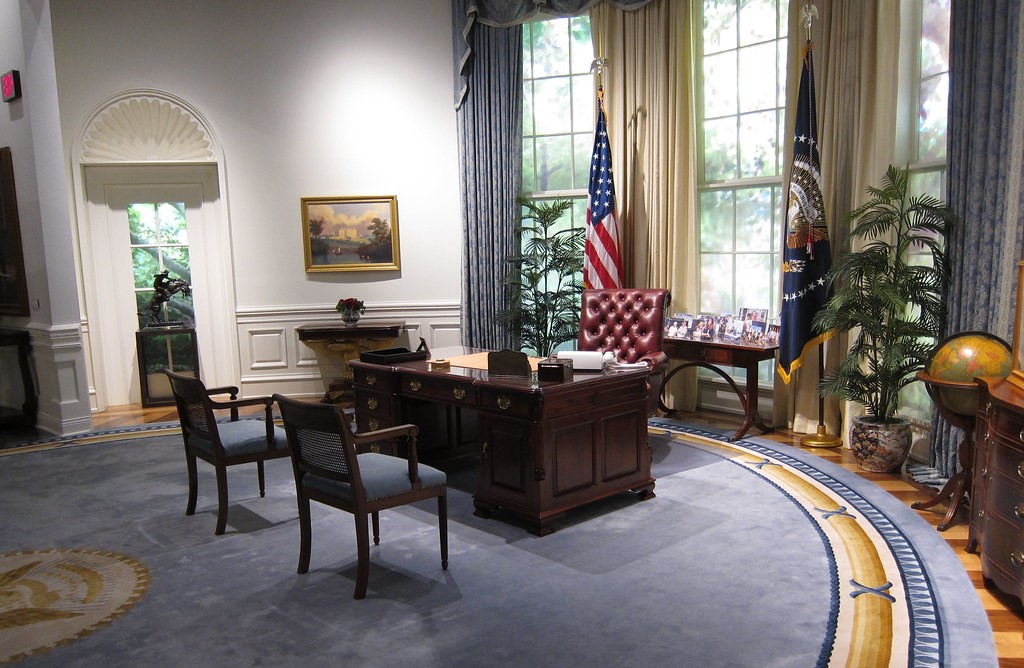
{"type": "Point", "coordinates": [350, 233]}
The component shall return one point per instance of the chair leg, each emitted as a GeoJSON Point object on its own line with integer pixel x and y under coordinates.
{"type": "Point", "coordinates": [375, 519]}
{"type": "Point", "coordinates": [305, 534]}
{"type": "Point", "coordinates": [193, 483]}
{"type": "Point", "coordinates": [262, 477]}
{"type": "Point", "coordinates": [222, 500]}
{"type": "Point", "coordinates": [442, 527]}
{"type": "Point", "coordinates": [363, 547]}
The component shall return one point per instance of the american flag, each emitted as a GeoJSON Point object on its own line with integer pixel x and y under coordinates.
{"type": "Point", "coordinates": [807, 257]}
{"type": "Point", "coordinates": [602, 266]}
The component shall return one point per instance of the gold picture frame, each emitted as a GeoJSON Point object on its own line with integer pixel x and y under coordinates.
{"type": "Point", "coordinates": [1017, 373]}
{"type": "Point", "coordinates": [350, 233]}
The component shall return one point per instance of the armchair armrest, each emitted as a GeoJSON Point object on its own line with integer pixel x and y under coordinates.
{"type": "Point", "coordinates": [657, 359]}
{"type": "Point", "coordinates": [227, 389]}
{"type": "Point", "coordinates": [234, 404]}
{"type": "Point", "coordinates": [406, 432]}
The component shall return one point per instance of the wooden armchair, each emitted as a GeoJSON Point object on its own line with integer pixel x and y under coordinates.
{"type": "Point", "coordinates": [332, 468]}
{"type": "Point", "coordinates": [630, 323]}
{"type": "Point", "coordinates": [222, 444]}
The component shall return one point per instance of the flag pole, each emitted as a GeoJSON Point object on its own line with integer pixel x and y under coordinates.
{"type": "Point", "coordinates": [820, 438]}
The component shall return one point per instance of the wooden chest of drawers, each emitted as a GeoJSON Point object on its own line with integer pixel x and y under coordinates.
{"type": "Point", "coordinates": [997, 509]}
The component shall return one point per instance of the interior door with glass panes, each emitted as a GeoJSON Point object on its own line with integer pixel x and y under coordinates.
{"type": "Point", "coordinates": [139, 231]}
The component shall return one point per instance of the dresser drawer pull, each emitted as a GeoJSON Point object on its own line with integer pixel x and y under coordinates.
{"type": "Point", "coordinates": [415, 385]}
{"type": "Point", "coordinates": [1018, 510]}
{"type": "Point", "coordinates": [371, 403]}
{"type": "Point", "coordinates": [981, 514]}
{"type": "Point", "coordinates": [1017, 558]}
{"type": "Point", "coordinates": [1020, 436]}
{"type": "Point", "coordinates": [1020, 469]}
{"type": "Point", "coordinates": [374, 425]}
{"type": "Point", "coordinates": [504, 401]}
{"type": "Point", "coordinates": [459, 392]}
{"type": "Point", "coordinates": [371, 379]}
{"type": "Point", "coordinates": [984, 472]}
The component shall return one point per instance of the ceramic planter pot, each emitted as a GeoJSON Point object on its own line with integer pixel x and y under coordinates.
{"type": "Point", "coordinates": [880, 448]}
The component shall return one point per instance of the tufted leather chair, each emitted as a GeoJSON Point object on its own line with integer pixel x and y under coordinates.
{"type": "Point", "coordinates": [628, 322]}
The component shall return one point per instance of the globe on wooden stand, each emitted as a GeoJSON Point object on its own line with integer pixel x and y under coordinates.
{"type": "Point", "coordinates": [949, 379]}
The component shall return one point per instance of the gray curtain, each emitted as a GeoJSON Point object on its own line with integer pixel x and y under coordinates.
{"type": "Point", "coordinates": [490, 161]}
{"type": "Point", "coordinates": [488, 38]}
{"type": "Point", "coordinates": [985, 157]}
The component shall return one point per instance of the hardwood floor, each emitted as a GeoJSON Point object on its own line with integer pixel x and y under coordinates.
{"type": "Point", "coordinates": [1005, 612]}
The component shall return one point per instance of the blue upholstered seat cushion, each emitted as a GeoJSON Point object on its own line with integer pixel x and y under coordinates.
{"type": "Point", "coordinates": [242, 438]}
{"type": "Point", "coordinates": [382, 475]}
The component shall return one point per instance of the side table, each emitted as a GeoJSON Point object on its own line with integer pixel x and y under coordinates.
{"type": "Point", "coordinates": [338, 343]}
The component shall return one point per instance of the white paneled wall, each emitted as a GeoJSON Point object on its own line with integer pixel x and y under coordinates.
{"type": "Point", "coordinates": [273, 359]}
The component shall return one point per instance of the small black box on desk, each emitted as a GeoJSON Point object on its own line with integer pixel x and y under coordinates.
{"type": "Point", "coordinates": [558, 370]}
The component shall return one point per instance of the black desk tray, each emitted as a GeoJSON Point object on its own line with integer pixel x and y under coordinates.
{"type": "Point", "coordinates": [392, 355]}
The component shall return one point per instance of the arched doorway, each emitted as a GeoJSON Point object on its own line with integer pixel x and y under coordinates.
{"type": "Point", "coordinates": [148, 147]}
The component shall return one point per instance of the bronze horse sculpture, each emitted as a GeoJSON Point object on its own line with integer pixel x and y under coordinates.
{"type": "Point", "coordinates": [163, 289]}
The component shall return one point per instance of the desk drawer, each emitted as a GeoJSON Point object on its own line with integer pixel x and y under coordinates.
{"type": "Point", "coordinates": [1006, 425]}
{"type": "Point", "coordinates": [439, 388]}
{"type": "Point", "coordinates": [505, 403]}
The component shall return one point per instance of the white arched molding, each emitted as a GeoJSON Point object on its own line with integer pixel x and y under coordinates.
{"type": "Point", "coordinates": [141, 126]}
{"type": "Point", "coordinates": [135, 131]}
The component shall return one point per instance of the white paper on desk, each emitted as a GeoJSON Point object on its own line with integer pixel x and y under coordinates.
{"type": "Point", "coordinates": [627, 365]}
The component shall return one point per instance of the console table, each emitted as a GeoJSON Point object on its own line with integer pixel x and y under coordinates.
{"type": "Point", "coordinates": [712, 355]}
{"type": "Point", "coordinates": [338, 343]}
{"type": "Point", "coordinates": [544, 447]}
{"type": "Point", "coordinates": [27, 417]}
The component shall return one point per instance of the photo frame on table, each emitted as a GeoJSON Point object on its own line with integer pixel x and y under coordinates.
{"type": "Point", "coordinates": [13, 284]}
{"type": "Point", "coordinates": [1017, 373]}
{"type": "Point", "coordinates": [350, 233]}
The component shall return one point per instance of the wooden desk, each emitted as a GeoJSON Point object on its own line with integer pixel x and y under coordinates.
{"type": "Point", "coordinates": [27, 417]}
{"type": "Point", "coordinates": [544, 447]}
{"type": "Point", "coordinates": [338, 343]}
{"type": "Point", "coordinates": [714, 354]}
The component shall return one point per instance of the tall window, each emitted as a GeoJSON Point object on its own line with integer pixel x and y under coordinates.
{"type": "Point", "coordinates": [159, 242]}
{"type": "Point", "coordinates": [741, 117]}
{"type": "Point", "coordinates": [558, 111]}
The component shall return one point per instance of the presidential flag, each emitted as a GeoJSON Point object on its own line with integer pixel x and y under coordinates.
{"type": "Point", "coordinates": [807, 257]}
{"type": "Point", "coordinates": [602, 265]}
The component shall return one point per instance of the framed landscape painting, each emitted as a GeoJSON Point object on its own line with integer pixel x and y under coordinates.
{"type": "Point", "coordinates": [350, 233]}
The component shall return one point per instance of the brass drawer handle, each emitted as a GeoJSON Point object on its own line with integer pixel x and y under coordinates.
{"type": "Point", "coordinates": [371, 379]}
{"type": "Point", "coordinates": [984, 472]}
{"type": "Point", "coordinates": [504, 401]}
{"type": "Point", "coordinates": [1018, 510]}
{"type": "Point", "coordinates": [375, 447]}
{"type": "Point", "coordinates": [371, 403]}
{"type": "Point", "coordinates": [981, 514]}
{"type": "Point", "coordinates": [415, 385]}
{"type": "Point", "coordinates": [1020, 469]}
{"type": "Point", "coordinates": [1020, 436]}
{"type": "Point", "coordinates": [1017, 557]}
{"type": "Point", "coordinates": [988, 406]}
{"type": "Point", "coordinates": [374, 424]}
{"type": "Point", "coordinates": [459, 392]}
{"type": "Point", "coordinates": [483, 449]}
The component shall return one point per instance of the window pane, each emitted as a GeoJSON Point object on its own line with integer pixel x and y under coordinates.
{"type": "Point", "coordinates": [551, 48]}
{"type": "Point", "coordinates": [754, 220]}
{"type": "Point", "coordinates": [529, 166]}
{"type": "Point", "coordinates": [716, 220]}
{"type": "Point", "coordinates": [173, 229]}
{"type": "Point", "coordinates": [527, 50]}
{"type": "Point", "coordinates": [176, 259]}
{"type": "Point", "coordinates": [142, 223]}
{"type": "Point", "coordinates": [719, 25]}
{"type": "Point", "coordinates": [716, 276]}
{"type": "Point", "coordinates": [934, 37]}
{"type": "Point", "coordinates": [758, 148]}
{"type": "Point", "coordinates": [757, 21]}
{"type": "Point", "coordinates": [144, 265]}
{"type": "Point", "coordinates": [582, 48]}
{"type": "Point", "coordinates": [720, 150]}
{"type": "Point", "coordinates": [931, 132]}
{"type": "Point", "coordinates": [528, 128]}
{"type": "Point", "coordinates": [757, 72]}
{"type": "Point", "coordinates": [554, 170]}
{"type": "Point", "coordinates": [553, 114]}
{"type": "Point", "coordinates": [584, 145]}
{"type": "Point", "coordinates": [720, 85]}
{"type": "Point", "coordinates": [584, 102]}
{"type": "Point", "coordinates": [752, 290]}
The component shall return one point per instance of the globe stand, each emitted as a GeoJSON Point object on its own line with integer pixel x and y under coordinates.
{"type": "Point", "coordinates": [958, 485]}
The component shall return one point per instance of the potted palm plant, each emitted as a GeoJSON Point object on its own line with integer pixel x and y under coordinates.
{"type": "Point", "coordinates": [889, 296]}
{"type": "Point", "coordinates": [544, 278]}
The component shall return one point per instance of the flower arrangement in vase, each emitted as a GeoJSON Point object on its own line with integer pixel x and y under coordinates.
{"type": "Point", "coordinates": [350, 309]}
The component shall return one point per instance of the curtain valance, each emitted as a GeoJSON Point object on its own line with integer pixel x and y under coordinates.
{"type": "Point", "coordinates": [505, 14]}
